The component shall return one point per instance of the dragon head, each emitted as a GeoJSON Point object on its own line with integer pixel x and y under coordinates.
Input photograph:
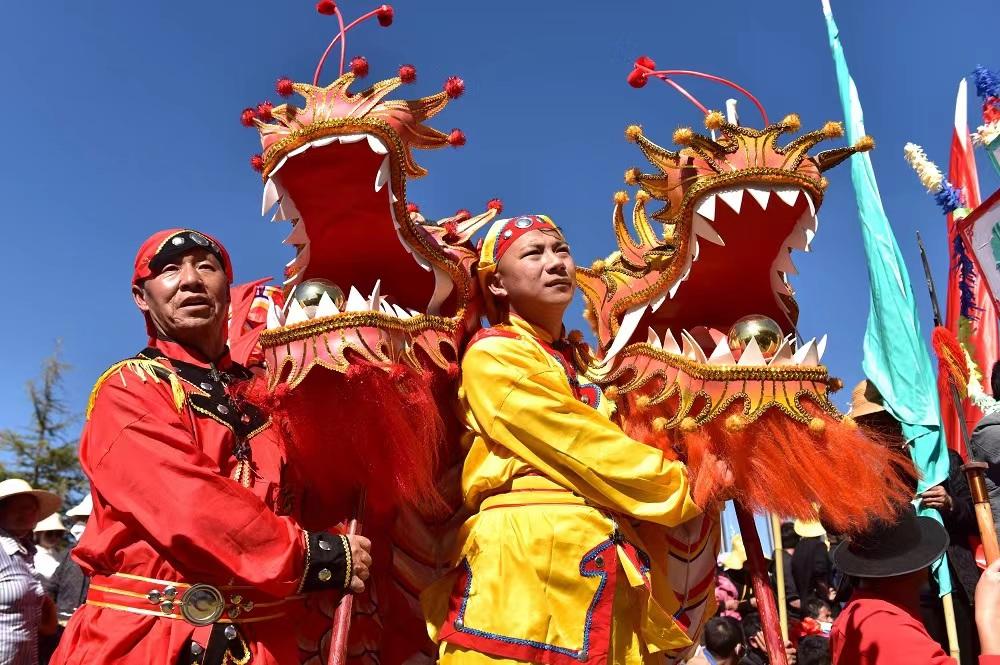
{"type": "Point", "coordinates": [336, 169]}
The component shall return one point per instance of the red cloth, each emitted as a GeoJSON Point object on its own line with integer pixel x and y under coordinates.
{"type": "Point", "coordinates": [166, 507]}
{"type": "Point", "coordinates": [982, 339]}
{"type": "Point", "coordinates": [883, 631]}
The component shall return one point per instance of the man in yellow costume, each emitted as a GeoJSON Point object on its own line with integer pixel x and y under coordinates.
{"type": "Point", "coordinates": [550, 569]}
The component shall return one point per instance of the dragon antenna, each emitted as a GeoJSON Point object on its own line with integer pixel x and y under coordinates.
{"type": "Point", "coordinates": [644, 67]}
{"type": "Point", "coordinates": [384, 13]}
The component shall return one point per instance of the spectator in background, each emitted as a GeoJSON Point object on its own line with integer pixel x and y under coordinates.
{"type": "Point", "coordinates": [953, 500]}
{"type": "Point", "coordinates": [50, 541]}
{"type": "Point", "coordinates": [789, 541]}
{"type": "Point", "coordinates": [755, 646]}
{"type": "Point", "coordinates": [811, 565]}
{"type": "Point", "coordinates": [814, 650]}
{"type": "Point", "coordinates": [985, 445]}
{"type": "Point", "coordinates": [881, 624]}
{"type": "Point", "coordinates": [78, 516]}
{"type": "Point", "coordinates": [723, 643]}
{"type": "Point", "coordinates": [68, 585]}
{"type": "Point", "coordinates": [25, 610]}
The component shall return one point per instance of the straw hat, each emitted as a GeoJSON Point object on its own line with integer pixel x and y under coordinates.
{"type": "Point", "coordinates": [50, 523]}
{"type": "Point", "coordinates": [865, 400]}
{"type": "Point", "coordinates": [737, 556]}
{"type": "Point", "coordinates": [82, 509]}
{"type": "Point", "coordinates": [809, 529]}
{"type": "Point", "coordinates": [48, 502]}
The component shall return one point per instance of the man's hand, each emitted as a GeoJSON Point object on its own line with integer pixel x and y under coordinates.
{"type": "Point", "coordinates": [936, 497]}
{"type": "Point", "coordinates": [361, 561]}
{"type": "Point", "coordinates": [988, 609]}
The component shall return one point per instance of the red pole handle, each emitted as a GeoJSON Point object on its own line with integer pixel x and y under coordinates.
{"type": "Point", "coordinates": [761, 587]}
{"type": "Point", "coordinates": [345, 608]}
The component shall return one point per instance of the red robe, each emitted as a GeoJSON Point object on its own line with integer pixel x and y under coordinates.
{"type": "Point", "coordinates": [167, 506]}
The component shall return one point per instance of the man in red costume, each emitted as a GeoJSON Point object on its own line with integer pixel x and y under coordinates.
{"type": "Point", "coordinates": [193, 547]}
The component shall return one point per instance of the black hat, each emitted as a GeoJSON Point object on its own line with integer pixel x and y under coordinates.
{"type": "Point", "coordinates": [891, 549]}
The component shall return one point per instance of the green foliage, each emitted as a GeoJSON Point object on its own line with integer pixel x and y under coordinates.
{"type": "Point", "coordinates": [44, 452]}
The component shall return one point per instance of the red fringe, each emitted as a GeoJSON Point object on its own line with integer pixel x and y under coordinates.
{"type": "Point", "coordinates": [784, 467]}
{"type": "Point", "coordinates": [951, 361]}
{"type": "Point", "coordinates": [372, 429]}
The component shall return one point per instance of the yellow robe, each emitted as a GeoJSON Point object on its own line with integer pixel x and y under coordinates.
{"type": "Point", "coordinates": [549, 568]}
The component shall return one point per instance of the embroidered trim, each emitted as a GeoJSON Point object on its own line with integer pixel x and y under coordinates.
{"type": "Point", "coordinates": [308, 562]}
{"type": "Point", "coordinates": [349, 559]}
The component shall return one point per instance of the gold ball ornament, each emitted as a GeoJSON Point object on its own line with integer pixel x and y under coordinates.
{"type": "Point", "coordinates": [310, 292]}
{"type": "Point", "coordinates": [765, 331]}
{"type": "Point", "coordinates": [689, 424]}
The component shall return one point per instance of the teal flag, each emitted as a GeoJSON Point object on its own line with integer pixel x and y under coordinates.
{"type": "Point", "coordinates": [896, 359]}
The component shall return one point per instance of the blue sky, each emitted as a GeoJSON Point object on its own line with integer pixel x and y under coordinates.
{"type": "Point", "coordinates": [123, 119]}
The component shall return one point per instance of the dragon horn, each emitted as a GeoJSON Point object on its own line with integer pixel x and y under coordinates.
{"type": "Point", "coordinates": [647, 236]}
{"type": "Point", "coordinates": [631, 252]}
{"type": "Point", "coordinates": [830, 158]}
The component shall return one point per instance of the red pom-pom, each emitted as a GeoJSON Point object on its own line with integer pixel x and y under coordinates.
{"type": "Point", "coordinates": [462, 215]}
{"type": "Point", "coordinates": [264, 111]}
{"type": "Point", "coordinates": [385, 16]}
{"type": "Point", "coordinates": [257, 163]}
{"type": "Point", "coordinates": [326, 7]}
{"type": "Point", "coordinates": [637, 79]}
{"type": "Point", "coordinates": [456, 138]}
{"type": "Point", "coordinates": [412, 207]}
{"type": "Point", "coordinates": [408, 73]}
{"type": "Point", "coordinates": [451, 229]}
{"type": "Point", "coordinates": [284, 86]}
{"type": "Point", "coordinates": [495, 204]}
{"type": "Point", "coordinates": [359, 66]}
{"type": "Point", "coordinates": [454, 86]}
{"type": "Point", "coordinates": [645, 61]}
{"type": "Point", "coordinates": [247, 117]}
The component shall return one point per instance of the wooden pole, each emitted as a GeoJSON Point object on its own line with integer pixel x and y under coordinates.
{"type": "Point", "coordinates": [975, 471]}
{"type": "Point", "coordinates": [761, 587]}
{"type": "Point", "coordinates": [345, 608]}
{"type": "Point", "coordinates": [779, 575]}
{"type": "Point", "coordinates": [949, 624]}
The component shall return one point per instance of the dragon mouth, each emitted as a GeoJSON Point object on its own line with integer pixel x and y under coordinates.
{"type": "Point", "coordinates": [765, 223]}
{"type": "Point", "coordinates": [343, 194]}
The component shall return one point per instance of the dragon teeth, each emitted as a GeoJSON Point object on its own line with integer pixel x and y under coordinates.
{"type": "Point", "coordinates": [298, 235]}
{"type": "Point", "coordinates": [376, 145]}
{"type": "Point", "coordinates": [706, 208]}
{"type": "Point", "coordinates": [762, 196]}
{"type": "Point", "coordinates": [356, 302]}
{"type": "Point", "coordinates": [295, 313]}
{"type": "Point", "coordinates": [703, 229]}
{"type": "Point", "coordinates": [382, 176]}
{"type": "Point", "coordinates": [784, 263]}
{"type": "Point", "coordinates": [375, 299]}
{"type": "Point", "coordinates": [326, 306]}
{"type": "Point", "coordinates": [271, 196]}
{"type": "Point", "coordinates": [629, 323]}
{"type": "Point", "coordinates": [788, 194]}
{"type": "Point", "coordinates": [670, 344]}
{"type": "Point", "coordinates": [733, 198]}
{"type": "Point", "coordinates": [653, 339]}
{"type": "Point", "coordinates": [691, 348]}
{"type": "Point", "coordinates": [751, 356]}
{"type": "Point", "coordinates": [722, 355]}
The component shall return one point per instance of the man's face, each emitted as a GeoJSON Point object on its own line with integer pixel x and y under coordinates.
{"type": "Point", "coordinates": [188, 299]}
{"type": "Point", "coordinates": [19, 514]}
{"type": "Point", "coordinates": [536, 274]}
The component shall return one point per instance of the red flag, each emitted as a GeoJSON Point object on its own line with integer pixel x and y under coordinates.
{"type": "Point", "coordinates": [979, 335]}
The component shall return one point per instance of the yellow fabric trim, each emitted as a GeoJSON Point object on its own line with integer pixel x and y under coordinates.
{"type": "Point", "coordinates": [143, 368]}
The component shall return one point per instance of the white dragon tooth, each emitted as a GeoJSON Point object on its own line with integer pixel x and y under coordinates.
{"type": "Point", "coordinates": [277, 168]}
{"type": "Point", "coordinates": [270, 196]}
{"type": "Point", "coordinates": [751, 356]}
{"type": "Point", "coordinates": [295, 313]}
{"type": "Point", "coordinates": [809, 202]}
{"type": "Point", "coordinates": [326, 306]}
{"type": "Point", "coordinates": [374, 300]}
{"type": "Point", "coordinates": [376, 145]}
{"type": "Point", "coordinates": [810, 234]}
{"type": "Point", "coordinates": [784, 263]}
{"type": "Point", "coordinates": [670, 344]}
{"type": "Point", "coordinates": [629, 323]}
{"type": "Point", "coordinates": [799, 356]}
{"type": "Point", "coordinates": [723, 355]}
{"type": "Point", "coordinates": [272, 316]}
{"type": "Point", "coordinates": [414, 312]}
{"type": "Point", "coordinates": [386, 308]}
{"type": "Point", "coordinates": [798, 239]}
{"type": "Point", "coordinates": [351, 138]}
{"type": "Point", "coordinates": [694, 254]}
{"type": "Point", "coordinates": [733, 199]}
{"type": "Point", "coordinates": [382, 176]}
{"type": "Point", "coordinates": [392, 196]}
{"type": "Point", "coordinates": [401, 313]}
{"type": "Point", "coordinates": [653, 339]}
{"type": "Point", "coordinates": [297, 236]}
{"type": "Point", "coordinates": [761, 195]}
{"type": "Point", "coordinates": [692, 349]}
{"type": "Point", "coordinates": [356, 302]}
{"type": "Point", "coordinates": [779, 285]}
{"type": "Point", "coordinates": [703, 229]}
{"type": "Point", "coordinates": [319, 143]}
{"type": "Point", "coordinates": [298, 151]}
{"type": "Point", "coordinates": [655, 305]}
{"type": "Point", "coordinates": [784, 353]}
{"type": "Point", "coordinates": [674, 288]}
{"type": "Point", "coordinates": [286, 211]}
{"type": "Point", "coordinates": [788, 194]}
{"type": "Point", "coordinates": [707, 208]}
{"type": "Point", "coordinates": [820, 348]}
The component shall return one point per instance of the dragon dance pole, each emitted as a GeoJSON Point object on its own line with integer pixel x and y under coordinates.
{"type": "Point", "coordinates": [761, 587]}
{"type": "Point", "coordinates": [345, 608]}
{"type": "Point", "coordinates": [974, 471]}
{"type": "Point", "coordinates": [779, 574]}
